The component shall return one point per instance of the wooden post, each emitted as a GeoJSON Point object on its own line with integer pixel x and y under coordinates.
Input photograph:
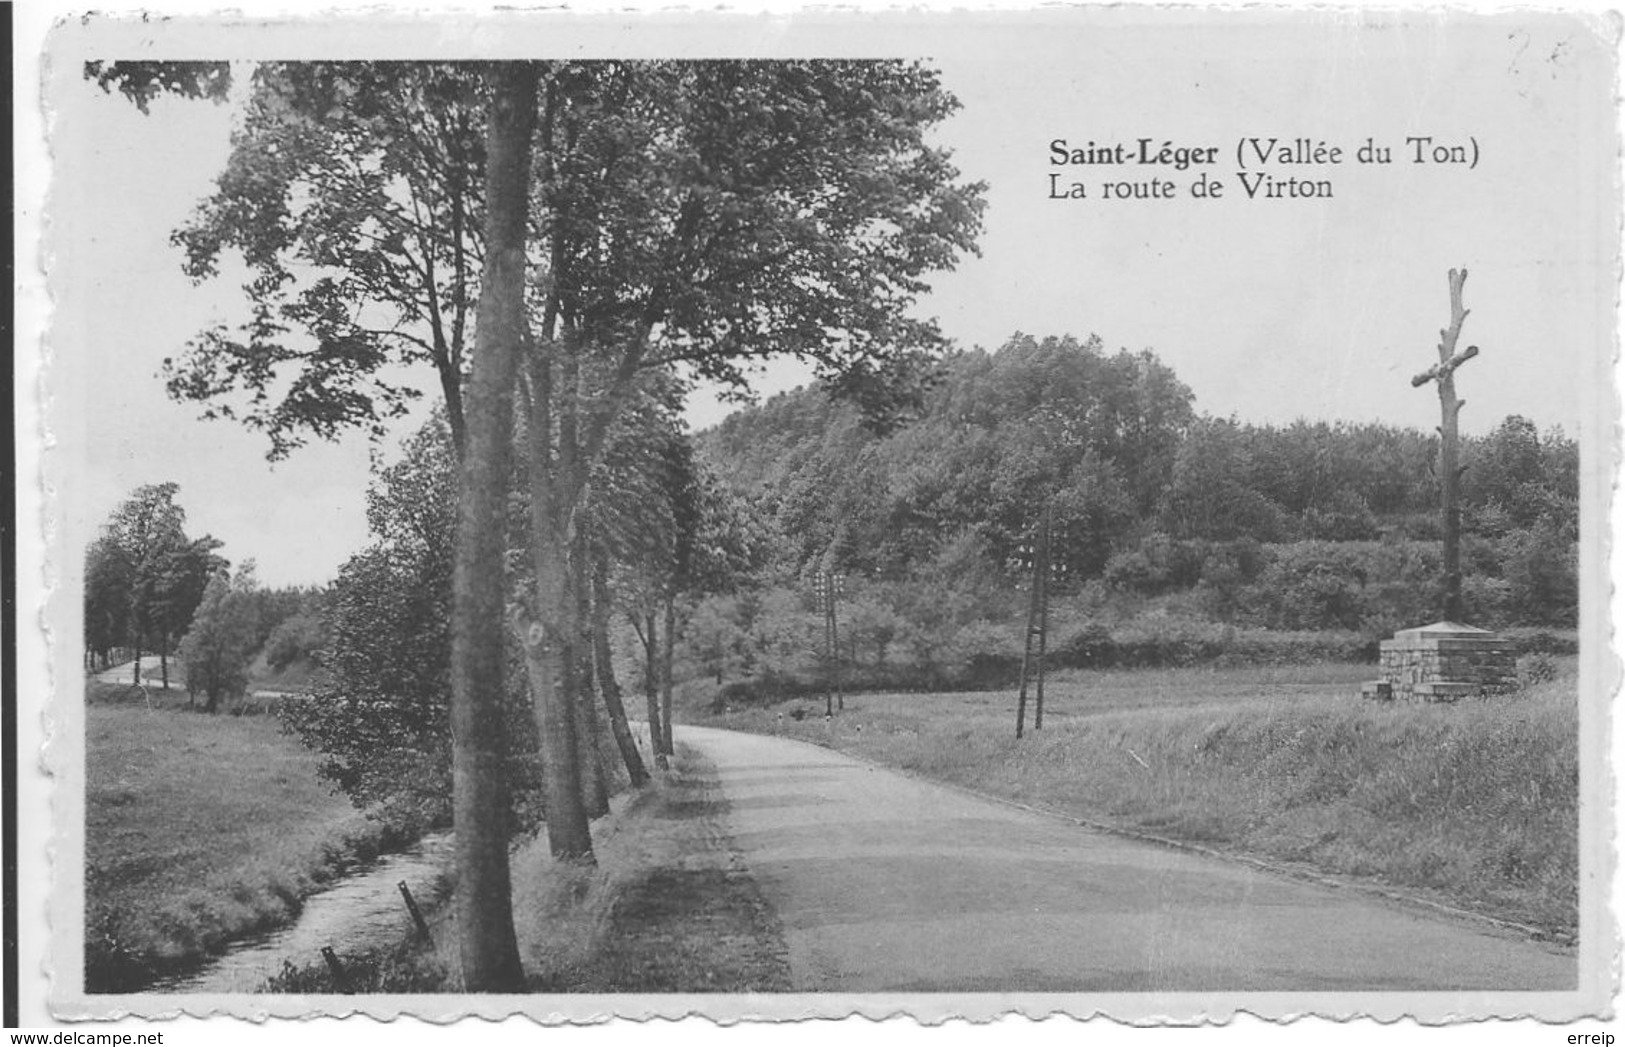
{"type": "Point", "coordinates": [341, 981]}
{"type": "Point", "coordinates": [417, 914]}
{"type": "Point", "coordinates": [1043, 613]}
{"type": "Point", "coordinates": [1444, 374]}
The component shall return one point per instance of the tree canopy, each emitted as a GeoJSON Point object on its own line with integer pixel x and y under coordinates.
{"type": "Point", "coordinates": [1113, 442]}
{"type": "Point", "coordinates": [144, 577]}
{"type": "Point", "coordinates": [703, 213]}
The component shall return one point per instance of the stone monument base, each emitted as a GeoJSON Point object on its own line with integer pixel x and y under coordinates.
{"type": "Point", "coordinates": [1443, 662]}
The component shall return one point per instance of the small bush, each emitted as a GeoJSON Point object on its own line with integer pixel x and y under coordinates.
{"type": "Point", "coordinates": [1160, 643]}
{"type": "Point", "coordinates": [1536, 669]}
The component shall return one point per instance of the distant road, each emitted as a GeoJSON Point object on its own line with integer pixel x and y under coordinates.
{"type": "Point", "coordinates": [885, 883]}
{"type": "Point", "coordinates": [126, 672]}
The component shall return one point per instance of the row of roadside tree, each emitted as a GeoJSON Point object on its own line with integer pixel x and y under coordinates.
{"type": "Point", "coordinates": [561, 243]}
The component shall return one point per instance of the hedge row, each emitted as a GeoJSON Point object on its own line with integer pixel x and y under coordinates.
{"type": "Point", "coordinates": [1160, 645]}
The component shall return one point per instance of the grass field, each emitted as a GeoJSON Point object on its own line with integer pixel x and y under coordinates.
{"type": "Point", "coordinates": [199, 829]}
{"type": "Point", "coordinates": [1473, 804]}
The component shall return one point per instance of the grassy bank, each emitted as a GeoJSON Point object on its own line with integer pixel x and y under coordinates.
{"type": "Point", "coordinates": [672, 907]}
{"type": "Point", "coordinates": [200, 829]}
{"type": "Point", "coordinates": [1473, 804]}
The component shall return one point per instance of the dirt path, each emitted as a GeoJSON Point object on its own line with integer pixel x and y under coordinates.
{"type": "Point", "coordinates": [695, 920]}
{"type": "Point", "coordinates": [885, 883]}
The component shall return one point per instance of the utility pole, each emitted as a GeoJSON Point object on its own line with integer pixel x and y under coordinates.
{"type": "Point", "coordinates": [1444, 373]}
{"type": "Point", "coordinates": [827, 590]}
{"type": "Point", "coordinates": [837, 588]}
{"type": "Point", "coordinates": [1037, 628]}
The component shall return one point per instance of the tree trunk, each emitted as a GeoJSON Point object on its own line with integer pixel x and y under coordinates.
{"type": "Point", "coordinates": [594, 770]}
{"type": "Point", "coordinates": [668, 645]}
{"type": "Point", "coordinates": [135, 674]}
{"type": "Point", "coordinates": [568, 835]}
{"type": "Point", "coordinates": [163, 662]}
{"type": "Point", "coordinates": [486, 942]}
{"type": "Point", "coordinates": [651, 688]}
{"type": "Point", "coordinates": [604, 668]}
{"type": "Point", "coordinates": [589, 734]}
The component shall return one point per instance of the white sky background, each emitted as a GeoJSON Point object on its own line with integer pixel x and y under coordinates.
{"type": "Point", "coordinates": [1269, 309]}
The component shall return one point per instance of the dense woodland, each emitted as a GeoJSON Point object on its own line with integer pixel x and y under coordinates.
{"type": "Point", "coordinates": [1178, 536]}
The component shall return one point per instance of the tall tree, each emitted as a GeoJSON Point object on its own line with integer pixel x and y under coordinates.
{"type": "Point", "coordinates": [109, 578]}
{"type": "Point", "coordinates": [488, 947]}
{"type": "Point", "coordinates": [183, 575]}
{"type": "Point", "coordinates": [220, 644]}
{"type": "Point", "coordinates": [708, 213]}
{"type": "Point", "coordinates": [144, 548]}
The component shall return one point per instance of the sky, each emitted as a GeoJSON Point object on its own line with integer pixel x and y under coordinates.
{"type": "Point", "coordinates": [1269, 309]}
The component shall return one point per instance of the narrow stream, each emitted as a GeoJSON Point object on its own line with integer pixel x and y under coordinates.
{"type": "Point", "coordinates": [363, 910]}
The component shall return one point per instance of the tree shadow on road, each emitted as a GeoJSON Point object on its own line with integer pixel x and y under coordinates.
{"type": "Point", "coordinates": [692, 919]}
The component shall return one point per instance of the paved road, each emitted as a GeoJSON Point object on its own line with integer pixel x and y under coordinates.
{"type": "Point", "coordinates": [884, 883]}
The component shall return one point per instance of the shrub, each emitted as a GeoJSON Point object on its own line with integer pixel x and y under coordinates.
{"type": "Point", "coordinates": [1313, 585]}
{"type": "Point", "coordinates": [1536, 669]}
{"type": "Point", "coordinates": [1159, 564]}
{"type": "Point", "coordinates": [1174, 642]}
{"type": "Point", "coordinates": [296, 637]}
{"type": "Point", "coordinates": [1541, 570]}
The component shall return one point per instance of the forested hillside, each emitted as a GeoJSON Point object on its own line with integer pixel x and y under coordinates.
{"type": "Point", "coordinates": [1173, 529]}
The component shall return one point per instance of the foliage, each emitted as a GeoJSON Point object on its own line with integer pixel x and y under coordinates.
{"type": "Point", "coordinates": [1541, 567]}
{"type": "Point", "coordinates": [380, 718]}
{"type": "Point", "coordinates": [752, 209]}
{"type": "Point", "coordinates": [1048, 421]}
{"type": "Point", "coordinates": [144, 578]}
{"type": "Point", "coordinates": [300, 636]}
{"type": "Point", "coordinates": [109, 581]}
{"type": "Point", "coordinates": [1518, 479]}
{"type": "Point", "coordinates": [1210, 494]}
{"type": "Point", "coordinates": [714, 638]}
{"type": "Point", "coordinates": [1310, 526]}
{"type": "Point", "coordinates": [222, 641]}
{"type": "Point", "coordinates": [141, 82]}
{"type": "Point", "coordinates": [352, 193]}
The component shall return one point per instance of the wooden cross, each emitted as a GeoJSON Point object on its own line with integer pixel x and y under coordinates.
{"type": "Point", "coordinates": [1444, 373]}
{"type": "Point", "coordinates": [1445, 369]}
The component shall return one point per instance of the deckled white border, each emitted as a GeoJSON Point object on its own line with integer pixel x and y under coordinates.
{"type": "Point", "coordinates": [685, 33]}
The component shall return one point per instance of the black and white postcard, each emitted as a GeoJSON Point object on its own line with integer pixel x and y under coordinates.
{"type": "Point", "coordinates": [1097, 511]}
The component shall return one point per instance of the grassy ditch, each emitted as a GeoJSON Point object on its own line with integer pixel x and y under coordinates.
{"type": "Point", "coordinates": [1474, 804]}
{"type": "Point", "coordinates": [200, 829]}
